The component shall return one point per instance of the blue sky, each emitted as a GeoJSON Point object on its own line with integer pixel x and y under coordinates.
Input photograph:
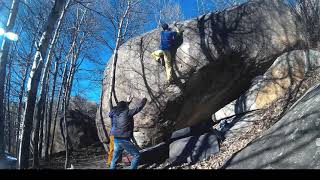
{"type": "Point", "coordinates": [189, 8]}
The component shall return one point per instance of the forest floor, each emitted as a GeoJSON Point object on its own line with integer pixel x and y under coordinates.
{"type": "Point", "coordinates": [87, 158]}
{"type": "Point", "coordinates": [92, 157]}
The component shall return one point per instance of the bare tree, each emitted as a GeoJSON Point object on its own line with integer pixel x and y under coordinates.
{"type": "Point", "coordinates": [201, 7]}
{"type": "Point", "coordinates": [55, 73]}
{"type": "Point", "coordinates": [21, 92]}
{"type": "Point", "coordinates": [119, 20]}
{"type": "Point", "coordinates": [76, 52]}
{"type": "Point", "coordinates": [8, 110]}
{"type": "Point", "coordinates": [65, 127]}
{"type": "Point", "coordinates": [34, 82]}
{"type": "Point", "coordinates": [4, 51]}
{"type": "Point", "coordinates": [61, 90]}
{"type": "Point", "coordinates": [120, 15]}
{"type": "Point", "coordinates": [78, 33]}
{"type": "Point", "coordinates": [206, 6]}
{"type": "Point", "coordinates": [223, 4]}
{"type": "Point", "coordinates": [41, 103]}
{"type": "Point", "coordinates": [64, 75]}
{"type": "Point", "coordinates": [167, 11]}
{"type": "Point", "coordinates": [44, 119]}
{"type": "Point", "coordinates": [67, 86]}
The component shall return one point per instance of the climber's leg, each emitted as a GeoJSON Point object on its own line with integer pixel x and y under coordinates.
{"type": "Point", "coordinates": [168, 65]}
{"type": "Point", "coordinates": [158, 56]}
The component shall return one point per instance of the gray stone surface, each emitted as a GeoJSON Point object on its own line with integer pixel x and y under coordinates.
{"type": "Point", "coordinates": [195, 130]}
{"type": "Point", "coordinates": [291, 143]}
{"type": "Point", "coordinates": [181, 133]}
{"type": "Point", "coordinates": [285, 74]}
{"type": "Point", "coordinates": [156, 154]}
{"type": "Point", "coordinates": [222, 52]}
{"type": "Point", "coordinates": [160, 152]}
{"type": "Point", "coordinates": [238, 125]}
{"type": "Point", "coordinates": [193, 148]}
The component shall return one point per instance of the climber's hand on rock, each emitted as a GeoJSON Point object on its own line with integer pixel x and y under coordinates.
{"type": "Point", "coordinates": [175, 23]}
{"type": "Point", "coordinates": [129, 98]}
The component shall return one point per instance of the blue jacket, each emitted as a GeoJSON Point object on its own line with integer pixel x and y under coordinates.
{"type": "Point", "coordinates": [167, 39]}
{"type": "Point", "coordinates": [122, 120]}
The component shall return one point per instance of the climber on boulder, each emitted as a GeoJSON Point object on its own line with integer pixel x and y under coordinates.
{"type": "Point", "coordinates": [169, 42]}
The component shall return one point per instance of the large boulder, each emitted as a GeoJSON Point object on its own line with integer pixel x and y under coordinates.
{"type": "Point", "coordinates": [282, 78]}
{"type": "Point", "coordinates": [292, 143]}
{"type": "Point", "coordinates": [281, 82]}
{"type": "Point", "coordinates": [221, 53]}
{"type": "Point", "coordinates": [82, 131]}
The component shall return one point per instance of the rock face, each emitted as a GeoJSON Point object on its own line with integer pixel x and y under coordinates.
{"type": "Point", "coordinates": [282, 79]}
{"type": "Point", "coordinates": [237, 125]}
{"type": "Point", "coordinates": [194, 148]}
{"type": "Point", "coordinates": [185, 145]}
{"type": "Point", "coordinates": [82, 131]}
{"type": "Point", "coordinates": [222, 52]}
{"type": "Point", "coordinates": [292, 143]}
{"type": "Point", "coordinates": [156, 154]}
{"type": "Point", "coordinates": [285, 74]}
{"type": "Point", "coordinates": [188, 148]}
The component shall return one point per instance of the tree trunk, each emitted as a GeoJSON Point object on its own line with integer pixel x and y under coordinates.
{"type": "Point", "coordinates": [40, 140]}
{"type": "Point", "coordinates": [46, 154]}
{"type": "Point", "coordinates": [65, 77]}
{"type": "Point", "coordinates": [43, 124]}
{"type": "Point", "coordinates": [8, 117]}
{"type": "Point", "coordinates": [104, 129]}
{"type": "Point", "coordinates": [75, 55]}
{"type": "Point", "coordinates": [59, 99]}
{"type": "Point", "coordinates": [43, 93]}
{"type": "Point", "coordinates": [67, 91]}
{"type": "Point", "coordinates": [47, 131]}
{"type": "Point", "coordinates": [113, 70]}
{"type": "Point", "coordinates": [70, 80]}
{"type": "Point", "coordinates": [119, 40]}
{"type": "Point", "coordinates": [66, 137]}
{"type": "Point", "coordinates": [21, 94]}
{"type": "Point", "coordinates": [4, 51]}
{"type": "Point", "coordinates": [115, 53]}
{"type": "Point", "coordinates": [46, 119]}
{"type": "Point", "coordinates": [37, 132]}
{"type": "Point", "coordinates": [33, 83]}
{"type": "Point", "coordinates": [72, 71]}
{"type": "Point", "coordinates": [65, 127]}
